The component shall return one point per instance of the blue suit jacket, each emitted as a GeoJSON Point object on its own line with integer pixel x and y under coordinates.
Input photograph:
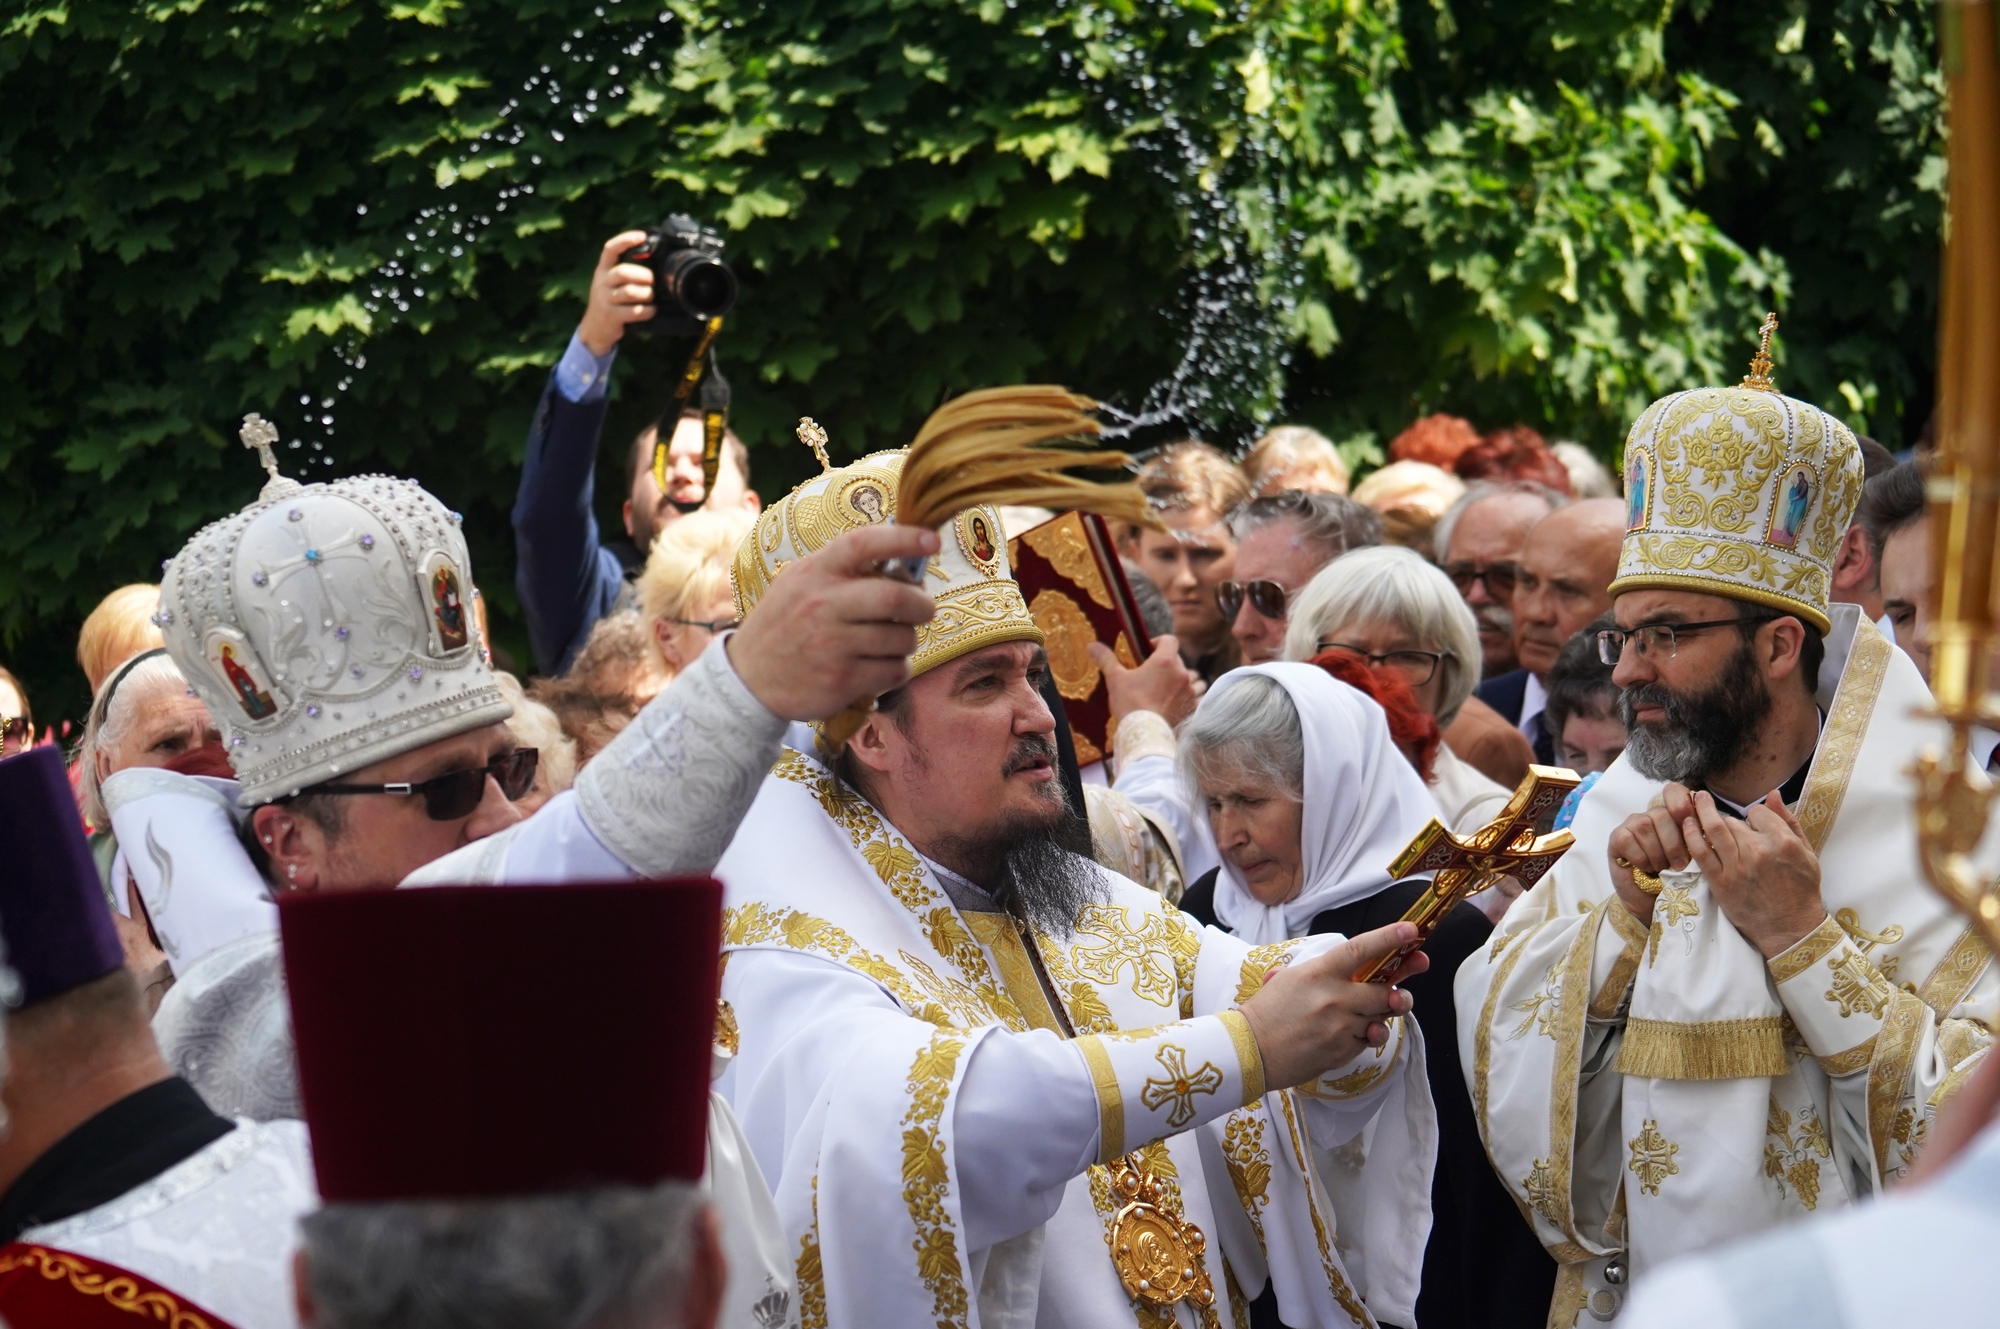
{"type": "Point", "coordinates": [567, 578]}
{"type": "Point", "coordinates": [1505, 693]}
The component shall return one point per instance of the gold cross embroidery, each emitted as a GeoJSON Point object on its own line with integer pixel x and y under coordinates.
{"type": "Point", "coordinates": [1114, 944]}
{"type": "Point", "coordinates": [1181, 1085]}
{"type": "Point", "coordinates": [1653, 1158]}
{"type": "Point", "coordinates": [1857, 986]}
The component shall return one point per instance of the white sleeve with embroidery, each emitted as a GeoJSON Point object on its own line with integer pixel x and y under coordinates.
{"type": "Point", "coordinates": [662, 799]}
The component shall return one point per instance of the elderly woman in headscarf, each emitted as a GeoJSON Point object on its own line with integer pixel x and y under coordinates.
{"type": "Point", "coordinates": [143, 715]}
{"type": "Point", "coordinates": [1310, 799]}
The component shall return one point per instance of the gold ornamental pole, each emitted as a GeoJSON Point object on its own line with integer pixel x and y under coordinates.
{"type": "Point", "coordinates": [1953, 800]}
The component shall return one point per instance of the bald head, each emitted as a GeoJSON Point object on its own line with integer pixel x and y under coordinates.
{"type": "Point", "coordinates": [1567, 565]}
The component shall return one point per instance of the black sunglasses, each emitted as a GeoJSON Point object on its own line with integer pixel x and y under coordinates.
{"type": "Point", "coordinates": [456, 794]}
{"type": "Point", "coordinates": [1266, 597]}
{"type": "Point", "coordinates": [1500, 578]}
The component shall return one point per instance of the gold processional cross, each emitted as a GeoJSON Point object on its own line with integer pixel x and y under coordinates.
{"type": "Point", "coordinates": [1507, 846]}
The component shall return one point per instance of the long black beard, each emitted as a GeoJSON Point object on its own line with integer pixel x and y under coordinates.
{"type": "Point", "coordinates": [1024, 867]}
{"type": "Point", "coordinates": [1701, 734]}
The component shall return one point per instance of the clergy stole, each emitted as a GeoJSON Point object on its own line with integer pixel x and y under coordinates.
{"type": "Point", "coordinates": [42, 1288]}
{"type": "Point", "coordinates": [1650, 1091]}
{"type": "Point", "coordinates": [815, 869]}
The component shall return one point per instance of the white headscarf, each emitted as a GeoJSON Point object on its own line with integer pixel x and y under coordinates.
{"type": "Point", "coordinates": [1363, 803]}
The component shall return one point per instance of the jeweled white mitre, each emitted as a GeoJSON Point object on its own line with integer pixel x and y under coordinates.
{"type": "Point", "coordinates": [327, 627]}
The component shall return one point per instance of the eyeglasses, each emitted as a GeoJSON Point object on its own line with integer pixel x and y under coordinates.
{"type": "Point", "coordinates": [1266, 597]}
{"type": "Point", "coordinates": [715, 626]}
{"type": "Point", "coordinates": [1661, 640]}
{"type": "Point", "coordinates": [1498, 577]}
{"type": "Point", "coordinates": [17, 733]}
{"type": "Point", "coordinates": [1416, 667]}
{"type": "Point", "coordinates": [457, 794]}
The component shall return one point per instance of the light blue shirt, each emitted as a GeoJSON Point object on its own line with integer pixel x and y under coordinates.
{"type": "Point", "coordinates": [581, 376]}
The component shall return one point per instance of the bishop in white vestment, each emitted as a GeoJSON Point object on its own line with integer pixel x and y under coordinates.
{"type": "Point", "coordinates": [947, 1097]}
{"type": "Point", "coordinates": [1652, 1090]}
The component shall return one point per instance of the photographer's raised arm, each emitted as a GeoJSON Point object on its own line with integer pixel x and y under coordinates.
{"type": "Point", "coordinates": [566, 577]}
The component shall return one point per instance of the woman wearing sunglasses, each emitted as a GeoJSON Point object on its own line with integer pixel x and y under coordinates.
{"type": "Point", "coordinates": [17, 722]}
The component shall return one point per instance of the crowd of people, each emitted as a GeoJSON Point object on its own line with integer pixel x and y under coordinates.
{"type": "Point", "coordinates": [972, 1031]}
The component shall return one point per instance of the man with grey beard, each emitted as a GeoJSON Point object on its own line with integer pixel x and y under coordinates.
{"type": "Point", "coordinates": [982, 1070]}
{"type": "Point", "coordinates": [1743, 1002]}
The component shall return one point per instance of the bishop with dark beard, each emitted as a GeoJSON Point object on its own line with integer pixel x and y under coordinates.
{"type": "Point", "coordinates": [1735, 1002]}
{"type": "Point", "coordinates": [993, 1083]}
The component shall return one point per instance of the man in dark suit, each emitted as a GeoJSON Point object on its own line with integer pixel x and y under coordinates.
{"type": "Point", "coordinates": [568, 578]}
{"type": "Point", "coordinates": [1566, 568]}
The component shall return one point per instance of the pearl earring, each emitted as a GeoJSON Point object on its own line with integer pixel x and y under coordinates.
{"type": "Point", "coordinates": [291, 871]}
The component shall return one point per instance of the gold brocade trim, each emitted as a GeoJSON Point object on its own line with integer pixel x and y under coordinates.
{"type": "Point", "coordinates": [1186, 946]}
{"type": "Point", "coordinates": [1606, 1001]}
{"type": "Point", "coordinates": [1726, 552]}
{"type": "Point", "coordinates": [1854, 1059]}
{"type": "Point", "coordinates": [1343, 1293]}
{"type": "Point", "coordinates": [970, 618]}
{"type": "Point", "coordinates": [120, 1291]}
{"type": "Point", "coordinates": [1239, 1305]}
{"type": "Point", "coordinates": [1110, 1099]}
{"type": "Point", "coordinates": [1567, 1301]}
{"type": "Point", "coordinates": [1703, 1050]}
{"type": "Point", "coordinates": [1954, 976]}
{"type": "Point", "coordinates": [1482, 1035]}
{"type": "Point", "coordinates": [1960, 1043]}
{"type": "Point", "coordinates": [1889, 1072]}
{"type": "Point", "coordinates": [1260, 961]}
{"type": "Point", "coordinates": [1566, 1078]}
{"type": "Point", "coordinates": [1846, 725]}
{"type": "Point", "coordinates": [924, 992]}
{"type": "Point", "coordinates": [1806, 952]}
{"type": "Point", "coordinates": [1249, 1057]}
{"type": "Point", "coordinates": [811, 1271]}
{"type": "Point", "coordinates": [1002, 936]}
{"type": "Point", "coordinates": [927, 1178]}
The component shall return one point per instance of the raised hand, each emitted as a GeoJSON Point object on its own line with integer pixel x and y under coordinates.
{"type": "Point", "coordinates": [620, 293]}
{"type": "Point", "coordinates": [831, 628]}
{"type": "Point", "coordinates": [1760, 870]}
{"type": "Point", "coordinates": [1162, 684]}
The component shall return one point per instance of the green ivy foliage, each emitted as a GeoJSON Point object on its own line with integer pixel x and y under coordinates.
{"type": "Point", "coordinates": [373, 222]}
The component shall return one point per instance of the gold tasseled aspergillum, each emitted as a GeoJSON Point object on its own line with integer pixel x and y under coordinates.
{"type": "Point", "coordinates": [1759, 376]}
{"type": "Point", "coordinates": [999, 446]}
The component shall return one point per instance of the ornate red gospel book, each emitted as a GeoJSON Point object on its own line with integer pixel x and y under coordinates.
{"type": "Point", "coordinates": [1077, 593]}
{"type": "Point", "coordinates": [43, 1288]}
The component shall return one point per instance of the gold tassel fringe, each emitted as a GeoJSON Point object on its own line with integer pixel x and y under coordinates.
{"type": "Point", "coordinates": [1713, 1050]}
{"type": "Point", "coordinates": [995, 446]}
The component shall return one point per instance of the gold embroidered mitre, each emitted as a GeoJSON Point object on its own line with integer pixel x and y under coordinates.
{"type": "Point", "coordinates": [1740, 491]}
{"type": "Point", "coordinates": [978, 602]}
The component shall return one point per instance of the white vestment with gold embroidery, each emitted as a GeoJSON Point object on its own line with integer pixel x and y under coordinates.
{"type": "Point", "coordinates": [935, 1139]}
{"type": "Point", "coordinates": [1650, 1092]}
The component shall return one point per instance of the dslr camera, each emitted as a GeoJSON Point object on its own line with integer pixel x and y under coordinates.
{"type": "Point", "coordinates": [691, 283]}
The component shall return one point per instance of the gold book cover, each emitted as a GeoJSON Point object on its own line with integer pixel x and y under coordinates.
{"type": "Point", "coordinates": [1069, 574]}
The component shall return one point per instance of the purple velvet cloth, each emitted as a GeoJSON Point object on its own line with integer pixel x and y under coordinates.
{"type": "Point", "coordinates": [53, 916]}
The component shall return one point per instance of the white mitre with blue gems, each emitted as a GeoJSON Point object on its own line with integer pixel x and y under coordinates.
{"type": "Point", "coordinates": [327, 627]}
{"type": "Point", "coordinates": [1740, 491]}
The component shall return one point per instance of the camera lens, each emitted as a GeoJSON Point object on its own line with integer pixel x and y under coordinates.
{"type": "Point", "coordinates": [700, 282]}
